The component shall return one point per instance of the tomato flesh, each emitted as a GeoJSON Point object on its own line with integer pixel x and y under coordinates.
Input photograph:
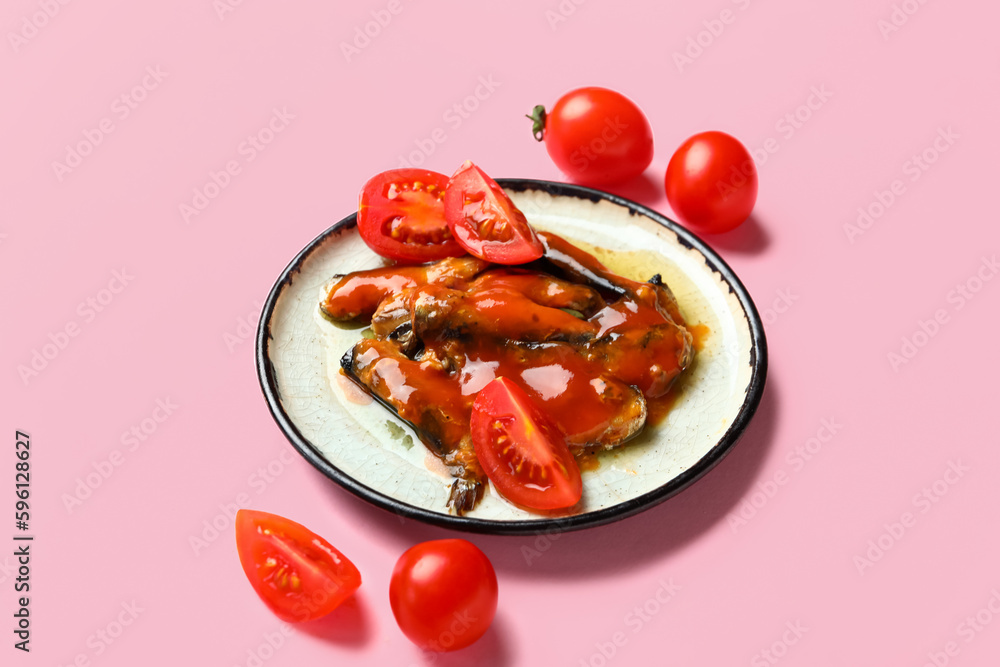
{"type": "Point", "coordinates": [401, 216]}
{"type": "Point", "coordinates": [711, 182]}
{"type": "Point", "coordinates": [485, 221]}
{"type": "Point", "coordinates": [521, 451]}
{"type": "Point", "coordinates": [299, 575]}
{"type": "Point", "coordinates": [443, 594]}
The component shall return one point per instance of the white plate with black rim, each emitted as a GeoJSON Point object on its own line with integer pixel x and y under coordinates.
{"type": "Point", "coordinates": [370, 452]}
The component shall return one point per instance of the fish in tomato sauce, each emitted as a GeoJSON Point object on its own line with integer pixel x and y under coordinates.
{"type": "Point", "coordinates": [594, 349]}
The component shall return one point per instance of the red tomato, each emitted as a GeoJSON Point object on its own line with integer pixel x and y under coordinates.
{"type": "Point", "coordinates": [595, 136]}
{"type": "Point", "coordinates": [522, 452]}
{"type": "Point", "coordinates": [485, 221]}
{"type": "Point", "coordinates": [711, 182]}
{"type": "Point", "coordinates": [401, 216]}
{"type": "Point", "coordinates": [294, 571]}
{"type": "Point", "coordinates": [443, 594]}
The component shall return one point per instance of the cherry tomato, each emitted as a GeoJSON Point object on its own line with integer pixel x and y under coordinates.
{"type": "Point", "coordinates": [443, 594]}
{"type": "Point", "coordinates": [711, 182]}
{"type": "Point", "coordinates": [401, 216]}
{"type": "Point", "coordinates": [484, 220]}
{"type": "Point", "coordinates": [595, 136]}
{"type": "Point", "coordinates": [297, 573]}
{"type": "Point", "coordinates": [521, 451]}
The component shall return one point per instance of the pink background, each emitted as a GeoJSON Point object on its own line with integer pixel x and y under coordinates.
{"type": "Point", "coordinates": [835, 311]}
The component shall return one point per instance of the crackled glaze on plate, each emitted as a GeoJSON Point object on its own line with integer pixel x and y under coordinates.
{"type": "Point", "coordinates": [362, 446]}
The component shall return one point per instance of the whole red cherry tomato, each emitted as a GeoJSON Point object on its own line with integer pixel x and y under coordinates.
{"type": "Point", "coordinates": [711, 182]}
{"type": "Point", "coordinates": [443, 594]}
{"type": "Point", "coordinates": [595, 136]}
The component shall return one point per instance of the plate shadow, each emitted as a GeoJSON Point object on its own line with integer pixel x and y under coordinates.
{"type": "Point", "coordinates": [604, 550]}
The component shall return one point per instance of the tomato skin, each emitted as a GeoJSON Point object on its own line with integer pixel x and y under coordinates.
{"type": "Point", "coordinates": [598, 136]}
{"type": "Point", "coordinates": [299, 575]}
{"type": "Point", "coordinates": [711, 182]}
{"type": "Point", "coordinates": [485, 221]}
{"type": "Point", "coordinates": [521, 451]}
{"type": "Point", "coordinates": [401, 216]}
{"type": "Point", "coordinates": [443, 594]}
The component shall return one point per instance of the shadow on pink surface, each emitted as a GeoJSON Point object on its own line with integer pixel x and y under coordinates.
{"type": "Point", "coordinates": [603, 551]}
{"type": "Point", "coordinates": [349, 625]}
{"type": "Point", "coordinates": [750, 238]}
{"type": "Point", "coordinates": [491, 650]}
{"type": "Point", "coordinates": [643, 189]}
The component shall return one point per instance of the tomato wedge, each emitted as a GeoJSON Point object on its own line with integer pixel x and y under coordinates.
{"type": "Point", "coordinates": [297, 573]}
{"type": "Point", "coordinates": [401, 216]}
{"type": "Point", "coordinates": [485, 221]}
{"type": "Point", "coordinates": [522, 452]}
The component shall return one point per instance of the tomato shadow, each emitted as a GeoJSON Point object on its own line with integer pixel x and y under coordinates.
{"type": "Point", "coordinates": [649, 536]}
{"type": "Point", "coordinates": [349, 625]}
{"type": "Point", "coordinates": [643, 189]}
{"type": "Point", "coordinates": [492, 650]}
{"type": "Point", "coordinates": [750, 238]}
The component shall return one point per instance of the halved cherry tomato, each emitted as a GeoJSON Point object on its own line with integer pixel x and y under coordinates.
{"type": "Point", "coordinates": [443, 594]}
{"type": "Point", "coordinates": [401, 216]}
{"type": "Point", "coordinates": [521, 451]}
{"type": "Point", "coordinates": [485, 221]}
{"type": "Point", "coordinates": [297, 573]}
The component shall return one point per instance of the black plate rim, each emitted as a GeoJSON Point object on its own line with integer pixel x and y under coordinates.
{"type": "Point", "coordinates": [755, 389]}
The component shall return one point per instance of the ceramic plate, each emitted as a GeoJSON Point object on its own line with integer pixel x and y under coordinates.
{"type": "Point", "coordinates": [371, 453]}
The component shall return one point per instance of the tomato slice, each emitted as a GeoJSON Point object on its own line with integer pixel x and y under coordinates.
{"type": "Point", "coordinates": [522, 452]}
{"type": "Point", "coordinates": [485, 221]}
{"type": "Point", "coordinates": [297, 573]}
{"type": "Point", "coordinates": [401, 216]}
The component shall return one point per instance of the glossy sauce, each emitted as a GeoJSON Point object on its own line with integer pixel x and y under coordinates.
{"type": "Point", "coordinates": [588, 383]}
{"type": "Point", "coordinates": [599, 353]}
